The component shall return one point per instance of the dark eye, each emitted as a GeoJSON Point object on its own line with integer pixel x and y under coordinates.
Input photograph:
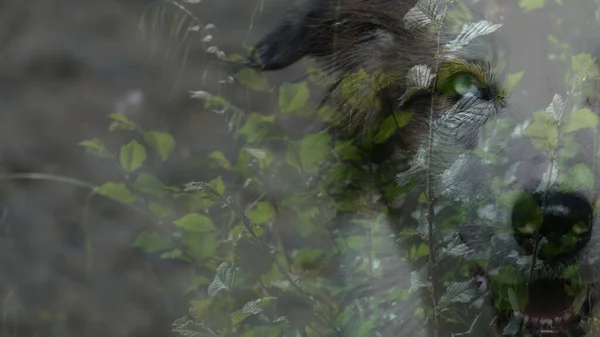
{"type": "Point", "coordinates": [465, 85]}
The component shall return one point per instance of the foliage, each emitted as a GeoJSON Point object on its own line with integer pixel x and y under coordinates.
{"type": "Point", "coordinates": [268, 247]}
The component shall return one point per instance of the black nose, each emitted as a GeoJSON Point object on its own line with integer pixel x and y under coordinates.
{"type": "Point", "coordinates": [557, 225]}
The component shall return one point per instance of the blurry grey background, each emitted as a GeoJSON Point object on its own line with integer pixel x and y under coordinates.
{"type": "Point", "coordinates": [65, 65]}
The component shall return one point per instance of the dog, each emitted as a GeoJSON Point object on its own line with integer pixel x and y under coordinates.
{"type": "Point", "coordinates": [497, 131]}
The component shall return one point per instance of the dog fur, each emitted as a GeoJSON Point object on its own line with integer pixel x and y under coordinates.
{"type": "Point", "coordinates": [372, 36]}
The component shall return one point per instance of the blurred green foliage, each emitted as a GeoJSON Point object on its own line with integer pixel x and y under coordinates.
{"type": "Point", "coordinates": [268, 244]}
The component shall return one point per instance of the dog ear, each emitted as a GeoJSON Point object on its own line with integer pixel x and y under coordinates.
{"type": "Point", "coordinates": [301, 33]}
{"type": "Point", "coordinates": [322, 27]}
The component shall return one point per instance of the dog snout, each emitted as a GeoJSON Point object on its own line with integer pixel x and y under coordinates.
{"type": "Point", "coordinates": [554, 225]}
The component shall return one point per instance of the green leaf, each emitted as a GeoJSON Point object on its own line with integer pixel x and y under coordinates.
{"type": "Point", "coordinates": [580, 119]}
{"type": "Point", "coordinates": [216, 103]}
{"type": "Point", "coordinates": [259, 118]}
{"type": "Point", "coordinates": [212, 102]}
{"type": "Point", "coordinates": [313, 150]}
{"type": "Point", "coordinates": [513, 327]}
{"type": "Point", "coordinates": [121, 122]}
{"type": "Point", "coordinates": [256, 153]}
{"type": "Point", "coordinates": [391, 124]}
{"type": "Point", "coordinates": [360, 89]}
{"type": "Point", "coordinates": [261, 212]}
{"type": "Point", "coordinates": [513, 299]}
{"type": "Point", "coordinates": [291, 155]}
{"type": "Point", "coordinates": [201, 245]}
{"type": "Point", "coordinates": [305, 225]}
{"type": "Point", "coordinates": [159, 210]}
{"type": "Point", "coordinates": [202, 198]}
{"type": "Point", "coordinates": [132, 156]}
{"type": "Point", "coordinates": [584, 66]}
{"type": "Point", "coordinates": [173, 254]}
{"type": "Point", "coordinates": [418, 280]}
{"type": "Point", "coordinates": [367, 328]}
{"type": "Point", "coordinates": [458, 292]}
{"type": "Point", "coordinates": [263, 156]}
{"type": "Point", "coordinates": [572, 272]}
{"type": "Point", "coordinates": [163, 143]}
{"type": "Point", "coordinates": [308, 256]}
{"type": "Point", "coordinates": [196, 283]}
{"type": "Point", "coordinates": [251, 308]}
{"type": "Point", "coordinates": [418, 77]}
{"type": "Point", "coordinates": [252, 79]}
{"type": "Point", "coordinates": [418, 251]}
{"type": "Point", "coordinates": [421, 15]}
{"type": "Point", "coordinates": [200, 201]}
{"type": "Point", "coordinates": [578, 176]}
{"type": "Point", "coordinates": [556, 107]}
{"type": "Point", "coordinates": [507, 275]}
{"type": "Point", "coordinates": [235, 58]}
{"type": "Point", "coordinates": [149, 184]}
{"type": "Point", "coordinates": [346, 150]}
{"type": "Point", "coordinates": [218, 185]}
{"type": "Point", "coordinates": [543, 131]}
{"type": "Point", "coordinates": [223, 280]}
{"type": "Point", "coordinates": [122, 118]}
{"type": "Point", "coordinates": [301, 205]}
{"type": "Point", "coordinates": [152, 242]}
{"type": "Point", "coordinates": [481, 323]}
{"type": "Point", "coordinates": [195, 222]}
{"type": "Point", "coordinates": [256, 127]}
{"type": "Point", "coordinates": [293, 97]}
{"type": "Point", "coordinates": [220, 159]}
{"type": "Point", "coordinates": [95, 147]}
{"type": "Point", "coordinates": [527, 215]}
{"type": "Point", "coordinates": [529, 5]}
{"type": "Point", "coordinates": [512, 80]}
{"type": "Point", "coordinates": [470, 31]}
{"type": "Point", "coordinates": [117, 191]}
{"type": "Point", "coordinates": [356, 242]}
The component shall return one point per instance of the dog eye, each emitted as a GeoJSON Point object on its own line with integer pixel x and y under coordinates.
{"type": "Point", "coordinates": [457, 79]}
{"type": "Point", "coordinates": [465, 85]}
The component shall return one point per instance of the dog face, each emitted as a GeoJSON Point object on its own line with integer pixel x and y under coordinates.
{"type": "Point", "coordinates": [528, 180]}
{"type": "Point", "coordinates": [519, 162]}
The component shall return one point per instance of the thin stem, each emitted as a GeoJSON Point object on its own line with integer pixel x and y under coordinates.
{"type": "Point", "coordinates": [49, 177]}
{"type": "Point", "coordinates": [436, 291]}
